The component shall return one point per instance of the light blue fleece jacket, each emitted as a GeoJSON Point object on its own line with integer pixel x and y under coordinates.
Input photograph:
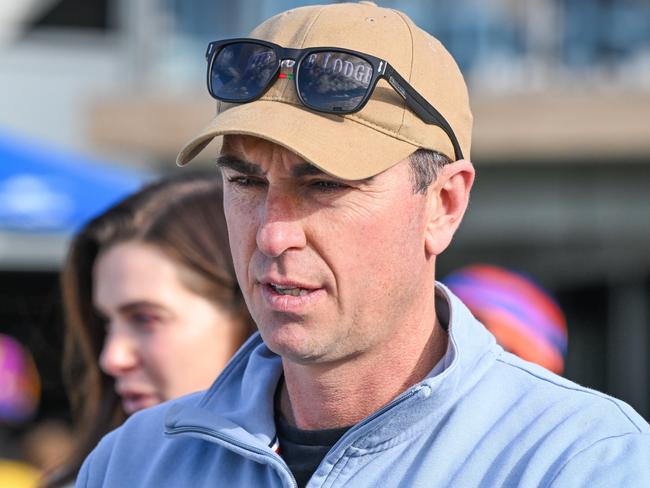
{"type": "Point", "coordinates": [483, 418]}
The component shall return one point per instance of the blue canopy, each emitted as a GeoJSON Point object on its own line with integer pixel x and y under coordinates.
{"type": "Point", "coordinates": [43, 189]}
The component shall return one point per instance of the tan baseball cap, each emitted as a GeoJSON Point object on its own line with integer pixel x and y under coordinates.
{"type": "Point", "coordinates": [385, 131]}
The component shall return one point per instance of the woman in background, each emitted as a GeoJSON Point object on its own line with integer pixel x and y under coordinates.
{"type": "Point", "coordinates": [152, 306]}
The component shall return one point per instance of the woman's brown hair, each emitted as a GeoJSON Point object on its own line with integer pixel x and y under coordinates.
{"type": "Point", "coordinates": [184, 217]}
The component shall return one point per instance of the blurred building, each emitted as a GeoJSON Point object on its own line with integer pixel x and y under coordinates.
{"type": "Point", "coordinates": [561, 98]}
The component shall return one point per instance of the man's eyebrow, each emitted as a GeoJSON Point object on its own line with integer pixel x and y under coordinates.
{"type": "Point", "coordinates": [307, 169]}
{"type": "Point", "coordinates": [239, 165]}
{"type": "Point", "coordinates": [247, 168]}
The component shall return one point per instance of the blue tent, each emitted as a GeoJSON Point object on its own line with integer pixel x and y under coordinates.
{"type": "Point", "coordinates": [43, 189]}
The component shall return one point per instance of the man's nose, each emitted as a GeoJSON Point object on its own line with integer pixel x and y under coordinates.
{"type": "Point", "coordinates": [119, 354]}
{"type": "Point", "coordinates": [280, 227]}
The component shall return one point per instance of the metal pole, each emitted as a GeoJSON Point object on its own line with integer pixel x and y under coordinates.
{"type": "Point", "coordinates": [627, 364]}
{"type": "Point", "coordinates": [141, 24]}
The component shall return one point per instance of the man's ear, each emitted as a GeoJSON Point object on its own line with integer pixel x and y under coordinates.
{"type": "Point", "coordinates": [448, 198]}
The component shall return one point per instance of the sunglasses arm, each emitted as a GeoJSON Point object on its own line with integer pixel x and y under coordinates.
{"type": "Point", "coordinates": [420, 106]}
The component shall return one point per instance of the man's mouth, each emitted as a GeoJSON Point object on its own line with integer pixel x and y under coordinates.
{"type": "Point", "coordinates": [289, 295]}
{"type": "Point", "coordinates": [293, 291]}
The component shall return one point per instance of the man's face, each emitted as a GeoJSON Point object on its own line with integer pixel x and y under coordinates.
{"type": "Point", "coordinates": [330, 269]}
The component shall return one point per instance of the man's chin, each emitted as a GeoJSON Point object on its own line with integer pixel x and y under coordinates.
{"type": "Point", "coordinates": [292, 346]}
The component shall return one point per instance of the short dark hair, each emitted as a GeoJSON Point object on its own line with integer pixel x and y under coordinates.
{"type": "Point", "coordinates": [425, 165]}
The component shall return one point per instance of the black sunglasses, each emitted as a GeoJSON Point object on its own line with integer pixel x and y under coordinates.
{"type": "Point", "coordinates": [327, 79]}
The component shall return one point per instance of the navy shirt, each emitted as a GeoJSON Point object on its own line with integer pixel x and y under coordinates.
{"type": "Point", "coordinates": [303, 450]}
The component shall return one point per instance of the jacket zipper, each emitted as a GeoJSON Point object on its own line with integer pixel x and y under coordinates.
{"type": "Point", "coordinates": [275, 460]}
{"type": "Point", "coordinates": [402, 398]}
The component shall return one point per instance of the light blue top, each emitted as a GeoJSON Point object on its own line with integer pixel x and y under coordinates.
{"type": "Point", "coordinates": [482, 417]}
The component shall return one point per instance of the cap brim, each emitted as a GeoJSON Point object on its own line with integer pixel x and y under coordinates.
{"type": "Point", "coordinates": [341, 146]}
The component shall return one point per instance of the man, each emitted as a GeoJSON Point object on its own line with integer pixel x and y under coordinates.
{"type": "Point", "coordinates": [345, 177]}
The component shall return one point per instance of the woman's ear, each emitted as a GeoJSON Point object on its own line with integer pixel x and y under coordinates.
{"type": "Point", "coordinates": [448, 198]}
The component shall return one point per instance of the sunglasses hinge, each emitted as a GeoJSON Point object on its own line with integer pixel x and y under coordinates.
{"type": "Point", "coordinates": [209, 52]}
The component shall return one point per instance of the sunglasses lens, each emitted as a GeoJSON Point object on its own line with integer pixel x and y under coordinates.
{"type": "Point", "coordinates": [334, 81]}
{"type": "Point", "coordinates": [241, 71]}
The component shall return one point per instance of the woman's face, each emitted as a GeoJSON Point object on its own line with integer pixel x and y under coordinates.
{"type": "Point", "coordinates": [162, 339]}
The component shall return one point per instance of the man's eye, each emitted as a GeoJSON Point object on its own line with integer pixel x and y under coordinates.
{"type": "Point", "coordinates": [327, 185]}
{"type": "Point", "coordinates": [243, 181]}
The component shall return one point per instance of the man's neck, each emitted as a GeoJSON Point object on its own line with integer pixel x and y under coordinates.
{"type": "Point", "coordinates": [330, 396]}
